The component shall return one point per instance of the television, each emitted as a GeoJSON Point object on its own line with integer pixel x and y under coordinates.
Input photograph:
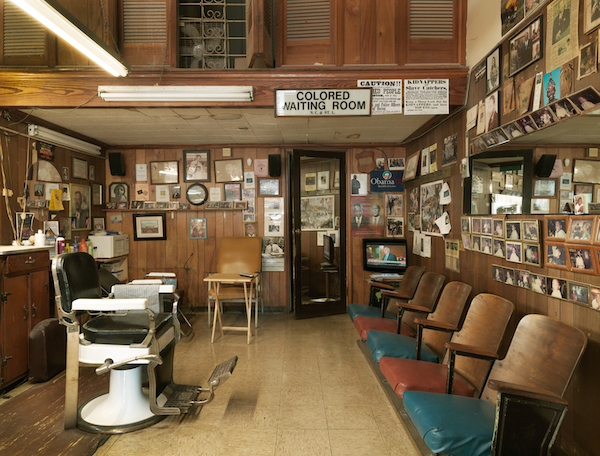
{"type": "Point", "coordinates": [328, 244]}
{"type": "Point", "coordinates": [384, 255]}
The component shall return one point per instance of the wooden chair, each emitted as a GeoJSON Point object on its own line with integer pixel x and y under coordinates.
{"type": "Point", "coordinates": [424, 301]}
{"type": "Point", "coordinates": [237, 254]}
{"type": "Point", "coordinates": [406, 291]}
{"type": "Point", "coordinates": [428, 344]}
{"type": "Point", "coordinates": [521, 407]}
{"type": "Point", "coordinates": [481, 333]}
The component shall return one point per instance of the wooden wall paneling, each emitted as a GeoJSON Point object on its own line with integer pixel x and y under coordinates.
{"type": "Point", "coordinates": [351, 41]}
{"type": "Point", "coordinates": [385, 33]}
{"type": "Point", "coordinates": [368, 39]}
{"type": "Point", "coordinates": [67, 55]}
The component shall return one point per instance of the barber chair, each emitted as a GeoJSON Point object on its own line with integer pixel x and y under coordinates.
{"type": "Point", "coordinates": [406, 291]}
{"type": "Point", "coordinates": [522, 406]}
{"type": "Point", "coordinates": [133, 340]}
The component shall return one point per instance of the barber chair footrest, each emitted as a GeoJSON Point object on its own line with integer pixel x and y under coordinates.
{"type": "Point", "coordinates": [181, 396]}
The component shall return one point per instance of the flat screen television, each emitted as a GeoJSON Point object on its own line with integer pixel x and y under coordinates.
{"type": "Point", "coordinates": [384, 255]}
{"type": "Point", "coordinates": [328, 244]}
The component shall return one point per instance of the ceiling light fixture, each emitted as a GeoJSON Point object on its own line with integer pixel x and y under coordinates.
{"type": "Point", "coordinates": [60, 21]}
{"type": "Point", "coordinates": [176, 93]}
{"type": "Point", "coordinates": [59, 139]}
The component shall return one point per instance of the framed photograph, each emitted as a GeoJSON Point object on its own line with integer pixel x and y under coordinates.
{"type": "Point", "coordinates": [229, 170]}
{"type": "Point", "coordinates": [250, 229]}
{"type": "Point", "coordinates": [540, 206]}
{"type": "Point", "coordinates": [555, 256]}
{"type": "Point", "coordinates": [492, 71]}
{"type": "Point", "coordinates": [476, 243]}
{"type": "Point", "coordinates": [486, 225]}
{"type": "Point", "coordinates": [587, 171]}
{"type": "Point", "coordinates": [466, 240]}
{"type": "Point", "coordinates": [52, 228]}
{"type": "Point", "coordinates": [555, 227]}
{"type": "Point", "coordinates": [465, 224]}
{"type": "Point", "coordinates": [544, 187]}
{"type": "Point", "coordinates": [498, 273]}
{"type": "Point", "coordinates": [591, 15]}
{"type": "Point", "coordinates": [523, 279]}
{"type": "Point", "coordinates": [512, 130]}
{"type": "Point", "coordinates": [511, 13]}
{"type": "Point", "coordinates": [317, 212]}
{"type": "Point", "coordinates": [492, 119]}
{"type": "Point", "coordinates": [532, 254]}
{"type": "Point", "coordinates": [97, 194]}
{"type": "Point", "coordinates": [498, 227]}
{"type": "Point", "coordinates": [581, 259]}
{"type": "Point", "coordinates": [543, 117]}
{"type": "Point", "coordinates": [475, 225]}
{"type": "Point", "coordinates": [164, 172]}
{"type": "Point", "coordinates": [79, 207]}
{"type": "Point", "coordinates": [147, 205]}
{"type": "Point", "coordinates": [563, 109]}
{"type": "Point", "coordinates": [588, 59]}
{"type": "Point", "coordinates": [486, 245]}
{"type": "Point", "coordinates": [99, 224]}
{"type": "Point", "coordinates": [92, 172]}
{"type": "Point", "coordinates": [233, 192]}
{"type": "Point", "coordinates": [412, 165]}
{"type": "Point", "coordinates": [514, 252]}
{"type": "Point", "coordinates": [149, 227]}
{"type": "Point", "coordinates": [579, 293]}
{"type": "Point", "coordinates": [530, 230]}
{"type": "Point", "coordinates": [499, 248]}
{"type": "Point", "coordinates": [79, 168]}
{"type": "Point", "coordinates": [197, 228]}
{"type": "Point", "coordinates": [509, 276]}
{"type": "Point", "coordinates": [137, 204]}
{"type": "Point", "coordinates": [513, 230]}
{"type": "Point", "coordinates": [211, 205]}
{"type": "Point", "coordinates": [118, 191]}
{"type": "Point", "coordinates": [111, 206]}
{"type": "Point", "coordinates": [526, 124]}
{"type": "Point", "coordinates": [595, 297]}
{"type": "Point", "coordinates": [122, 205]}
{"type": "Point", "coordinates": [394, 204]}
{"type": "Point", "coordinates": [323, 180]}
{"type": "Point", "coordinates": [581, 229]}
{"type": "Point", "coordinates": [538, 283]}
{"type": "Point", "coordinates": [395, 226]}
{"type": "Point", "coordinates": [196, 165]}
{"type": "Point", "coordinates": [556, 288]}
{"type": "Point", "coordinates": [268, 186]}
{"type": "Point", "coordinates": [525, 48]}
{"type": "Point", "coordinates": [65, 173]}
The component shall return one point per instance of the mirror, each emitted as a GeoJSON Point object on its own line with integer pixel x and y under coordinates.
{"type": "Point", "coordinates": [196, 194]}
{"type": "Point", "coordinates": [500, 183]}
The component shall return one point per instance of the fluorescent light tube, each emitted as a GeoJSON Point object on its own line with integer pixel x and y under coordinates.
{"type": "Point", "coordinates": [176, 93]}
{"type": "Point", "coordinates": [60, 21]}
{"type": "Point", "coordinates": [59, 139]}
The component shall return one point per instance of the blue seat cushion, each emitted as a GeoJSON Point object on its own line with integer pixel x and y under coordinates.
{"type": "Point", "coordinates": [393, 345]}
{"type": "Point", "coordinates": [362, 310]}
{"type": "Point", "coordinates": [448, 424]}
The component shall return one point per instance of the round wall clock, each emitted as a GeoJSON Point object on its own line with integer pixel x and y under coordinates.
{"type": "Point", "coordinates": [196, 194]}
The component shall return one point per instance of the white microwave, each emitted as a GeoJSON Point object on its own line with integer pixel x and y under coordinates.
{"type": "Point", "coordinates": [110, 246]}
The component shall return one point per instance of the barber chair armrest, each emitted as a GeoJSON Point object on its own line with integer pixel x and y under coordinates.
{"type": "Point", "coordinates": [520, 390]}
{"type": "Point", "coordinates": [383, 286]}
{"type": "Point", "coordinates": [471, 350]}
{"type": "Point", "coordinates": [435, 325]}
{"type": "Point", "coordinates": [100, 305]}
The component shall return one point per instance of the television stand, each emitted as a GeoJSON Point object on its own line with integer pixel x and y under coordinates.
{"type": "Point", "coordinates": [327, 268]}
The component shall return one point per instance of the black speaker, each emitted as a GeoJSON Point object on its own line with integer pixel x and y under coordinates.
{"type": "Point", "coordinates": [544, 166]}
{"type": "Point", "coordinates": [117, 165]}
{"type": "Point", "coordinates": [274, 165]}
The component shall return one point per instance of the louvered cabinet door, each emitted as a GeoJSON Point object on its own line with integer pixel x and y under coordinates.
{"type": "Point", "coordinates": [23, 40]}
{"type": "Point", "coordinates": [146, 26]}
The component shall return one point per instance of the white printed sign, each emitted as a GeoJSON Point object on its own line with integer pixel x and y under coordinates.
{"type": "Point", "coordinates": [426, 96]}
{"type": "Point", "coordinates": [387, 95]}
{"type": "Point", "coordinates": [323, 102]}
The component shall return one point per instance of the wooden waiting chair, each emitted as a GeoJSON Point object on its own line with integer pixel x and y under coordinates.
{"type": "Point", "coordinates": [522, 405]}
{"type": "Point", "coordinates": [481, 334]}
{"type": "Point", "coordinates": [406, 291]}
{"type": "Point", "coordinates": [428, 344]}
{"type": "Point", "coordinates": [423, 301]}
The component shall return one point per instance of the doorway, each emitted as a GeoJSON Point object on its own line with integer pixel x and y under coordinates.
{"type": "Point", "coordinates": [318, 224]}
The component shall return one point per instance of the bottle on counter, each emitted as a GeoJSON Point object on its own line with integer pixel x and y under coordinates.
{"type": "Point", "coordinates": [75, 246]}
{"type": "Point", "coordinates": [60, 245]}
{"type": "Point", "coordinates": [39, 239]}
{"type": "Point", "coordinates": [83, 246]}
{"type": "Point", "coordinates": [90, 247]}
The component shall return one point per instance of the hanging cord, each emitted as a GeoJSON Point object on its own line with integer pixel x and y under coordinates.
{"type": "Point", "coordinates": [6, 191]}
{"type": "Point", "coordinates": [162, 71]}
{"type": "Point", "coordinates": [107, 28]}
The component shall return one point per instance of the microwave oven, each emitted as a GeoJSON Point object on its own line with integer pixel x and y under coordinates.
{"type": "Point", "coordinates": [110, 246]}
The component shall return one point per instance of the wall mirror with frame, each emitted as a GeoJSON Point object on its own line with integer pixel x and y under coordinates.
{"type": "Point", "coordinates": [500, 183]}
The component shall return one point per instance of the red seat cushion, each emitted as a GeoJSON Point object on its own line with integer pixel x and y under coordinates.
{"type": "Point", "coordinates": [365, 324]}
{"type": "Point", "coordinates": [412, 375]}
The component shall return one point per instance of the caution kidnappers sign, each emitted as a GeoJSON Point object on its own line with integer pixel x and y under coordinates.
{"type": "Point", "coordinates": [322, 102]}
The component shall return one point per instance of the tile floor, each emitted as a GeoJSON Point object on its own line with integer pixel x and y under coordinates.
{"type": "Point", "coordinates": [302, 387]}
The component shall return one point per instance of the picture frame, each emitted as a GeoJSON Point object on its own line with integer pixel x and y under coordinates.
{"type": "Point", "coordinates": [538, 283]}
{"type": "Point", "coordinates": [198, 228]}
{"type": "Point", "coordinates": [509, 276]}
{"type": "Point", "coordinates": [596, 251]}
{"type": "Point", "coordinates": [530, 230]}
{"type": "Point", "coordinates": [318, 212]}
{"type": "Point", "coordinates": [555, 227]}
{"type": "Point", "coordinates": [586, 171]}
{"type": "Point", "coordinates": [233, 192]}
{"type": "Point", "coordinates": [512, 230]}
{"type": "Point", "coordinates": [240, 205]}
{"type": "Point", "coordinates": [196, 166]}
{"type": "Point", "coordinates": [544, 188]}
{"type": "Point", "coordinates": [137, 204]}
{"type": "Point", "coordinates": [79, 206]}
{"type": "Point", "coordinates": [486, 245]}
{"type": "Point", "coordinates": [476, 243]}
{"type": "Point", "coordinates": [525, 47]}
{"type": "Point", "coordinates": [586, 100]}
{"type": "Point", "coordinates": [92, 172]}
{"type": "Point", "coordinates": [225, 204]}
{"type": "Point", "coordinates": [486, 225]}
{"type": "Point", "coordinates": [269, 186]}
{"type": "Point", "coordinates": [97, 194]}
{"type": "Point", "coordinates": [581, 229]}
{"type": "Point", "coordinates": [555, 255]}
{"type": "Point", "coordinates": [323, 180]}
{"type": "Point", "coordinates": [164, 172]}
{"type": "Point", "coordinates": [98, 224]}
{"type": "Point", "coordinates": [118, 191]}
{"type": "Point", "coordinates": [523, 279]}
{"type": "Point", "coordinates": [250, 229]}
{"type": "Point", "coordinates": [588, 59]}
{"type": "Point", "coordinates": [211, 205]}
{"type": "Point", "coordinates": [412, 164]}
{"type": "Point", "coordinates": [149, 227]}
{"type": "Point", "coordinates": [514, 252]}
{"type": "Point", "coordinates": [476, 225]}
{"type": "Point", "coordinates": [591, 15]}
{"type": "Point", "coordinates": [578, 293]}
{"type": "Point", "coordinates": [493, 71]}
{"type": "Point", "coordinates": [581, 259]}
{"type": "Point", "coordinates": [465, 224]}
{"type": "Point", "coordinates": [532, 254]}
{"type": "Point", "coordinates": [595, 298]}
{"type": "Point", "coordinates": [497, 273]}
{"type": "Point", "coordinates": [596, 239]}
{"type": "Point", "coordinates": [466, 240]}
{"type": "Point", "coordinates": [556, 287]}
{"type": "Point", "coordinates": [498, 227]}
{"type": "Point", "coordinates": [540, 206]}
{"type": "Point", "coordinates": [229, 170]}
{"type": "Point", "coordinates": [123, 205]}
{"type": "Point", "coordinates": [511, 14]}
{"type": "Point", "coordinates": [79, 168]}
{"type": "Point", "coordinates": [499, 247]}
{"type": "Point", "coordinates": [52, 228]}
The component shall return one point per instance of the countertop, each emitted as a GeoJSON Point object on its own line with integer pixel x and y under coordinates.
{"type": "Point", "coordinates": [14, 249]}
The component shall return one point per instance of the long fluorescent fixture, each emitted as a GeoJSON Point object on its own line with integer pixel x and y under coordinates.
{"type": "Point", "coordinates": [59, 139]}
{"type": "Point", "coordinates": [55, 17]}
{"type": "Point", "coordinates": [176, 93]}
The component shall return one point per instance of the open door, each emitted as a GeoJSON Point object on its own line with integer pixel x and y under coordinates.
{"type": "Point", "coordinates": [318, 217]}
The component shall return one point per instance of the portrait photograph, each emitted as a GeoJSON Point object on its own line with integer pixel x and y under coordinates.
{"type": "Point", "coordinates": [475, 225]}
{"type": "Point", "coordinates": [579, 293]}
{"type": "Point", "coordinates": [492, 72]}
{"type": "Point", "coordinates": [588, 59]}
{"type": "Point", "coordinates": [514, 252]}
{"type": "Point", "coordinates": [586, 99]}
{"type": "Point", "coordinates": [486, 225]}
{"type": "Point", "coordinates": [492, 118]}
{"type": "Point", "coordinates": [538, 283]}
{"type": "Point", "coordinates": [581, 259]}
{"type": "Point", "coordinates": [476, 243]}
{"type": "Point", "coordinates": [532, 254]}
{"type": "Point", "coordinates": [233, 192]}
{"type": "Point", "coordinates": [563, 109]}
{"type": "Point", "coordinates": [543, 117]}
{"type": "Point", "coordinates": [595, 298]}
{"type": "Point", "coordinates": [555, 227]}
{"type": "Point", "coordinates": [394, 204]}
{"type": "Point", "coordinates": [556, 256]}
{"type": "Point", "coordinates": [512, 130]}
{"type": "Point", "coordinates": [465, 224]}
{"type": "Point", "coordinates": [80, 207]}
{"type": "Point", "coordinates": [581, 229]}
{"type": "Point", "coordinates": [497, 273]}
{"type": "Point", "coordinates": [164, 172]}
{"type": "Point", "coordinates": [499, 248]}
{"type": "Point", "coordinates": [197, 228]}
{"type": "Point", "coordinates": [486, 245]}
{"type": "Point", "coordinates": [196, 165]}
{"type": "Point", "coordinates": [526, 124]}
{"type": "Point", "coordinates": [523, 279]}
{"type": "Point", "coordinates": [229, 170]}
{"type": "Point", "coordinates": [137, 204]}
{"type": "Point", "coordinates": [118, 191]}
{"type": "Point", "coordinates": [509, 276]}
{"type": "Point", "coordinates": [530, 230]}
{"type": "Point", "coordinates": [551, 86]}
{"type": "Point", "coordinates": [500, 136]}
{"type": "Point", "coordinates": [466, 240]}
{"type": "Point", "coordinates": [591, 15]}
{"type": "Point", "coordinates": [508, 96]}
{"type": "Point", "coordinates": [556, 288]}
{"type": "Point", "coordinates": [525, 47]}
{"type": "Point", "coordinates": [513, 230]}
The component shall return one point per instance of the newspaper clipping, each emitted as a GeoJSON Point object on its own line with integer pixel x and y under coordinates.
{"type": "Point", "coordinates": [562, 39]}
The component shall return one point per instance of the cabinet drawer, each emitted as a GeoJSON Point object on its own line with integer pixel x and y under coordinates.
{"type": "Point", "coordinates": [27, 262]}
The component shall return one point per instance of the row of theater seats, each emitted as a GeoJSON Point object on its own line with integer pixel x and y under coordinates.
{"type": "Point", "coordinates": [438, 354]}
